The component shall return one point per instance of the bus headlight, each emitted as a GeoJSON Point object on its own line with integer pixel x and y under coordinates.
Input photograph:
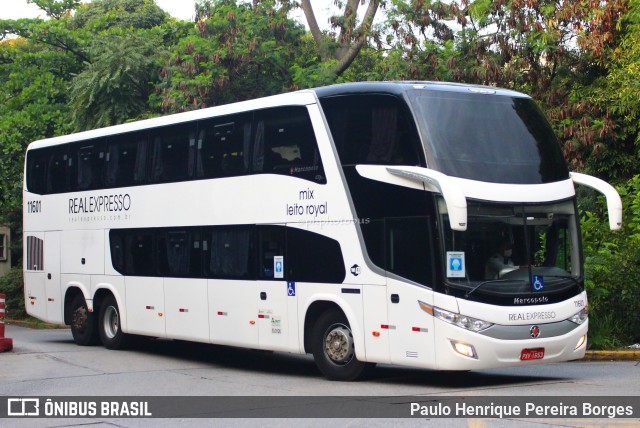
{"type": "Point", "coordinates": [464, 321]}
{"type": "Point", "coordinates": [581, 316]}
{"type": "Point", "coordinates": [465, 349]}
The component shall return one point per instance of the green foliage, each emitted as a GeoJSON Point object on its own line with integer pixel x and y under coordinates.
{"type": "Point", "coordinates": [32, 106]}
{"type": "Point", "coordinates": [236, 51]}
{"type": "Point", "coordinates": [56, 8]}
{"type": "Point", "coordinates": [116, 85]}
{"type": "Point", "coordinates": [12, 286]}
{"type": "Point", "coordinates": [94, 68]}
{"type": "Point", "coordinates": [108, 61]}
{"type": "Point", "coordinates": [612, 271]}
{"type": "Point", "coordinates": [101, 15]}
{"type": "Point", "coordinates": [555, 51]}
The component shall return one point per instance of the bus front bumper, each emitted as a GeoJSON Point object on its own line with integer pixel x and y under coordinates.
{"type": "Point", "coordinates": [460, 349]}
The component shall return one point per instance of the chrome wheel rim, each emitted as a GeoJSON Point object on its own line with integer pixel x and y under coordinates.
{"type": "Point", "coordinates": [338, 344]}
{"type": "Point", "coordinates": [111, 322]}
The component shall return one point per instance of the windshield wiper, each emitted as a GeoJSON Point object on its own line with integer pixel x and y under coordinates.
{"type": "Point", "coordinates": [491, 281]}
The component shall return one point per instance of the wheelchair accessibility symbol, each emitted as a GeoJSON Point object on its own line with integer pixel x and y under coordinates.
{"type": "Point", "coordinates": [291, 289]}
{"type": "Point", "coordinates": [538, 283]}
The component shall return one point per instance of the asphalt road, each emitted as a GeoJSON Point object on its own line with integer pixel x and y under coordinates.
{"type": "Point", "coordinates": [48, 363]}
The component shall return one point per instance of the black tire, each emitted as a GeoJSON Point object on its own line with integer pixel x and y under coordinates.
{"type": "Point", "coordinates": [333, 347]}
{"type": "Point", "coordinates": [83, 323]}
{"type": "Point", "coordinates": [109, 327]}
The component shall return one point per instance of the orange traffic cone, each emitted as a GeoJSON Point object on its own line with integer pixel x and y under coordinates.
{"type": "Point", "coordinates": [6, 344]}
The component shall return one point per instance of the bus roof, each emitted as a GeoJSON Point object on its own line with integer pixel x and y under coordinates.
{"type": "Point", "coordinates": [302, 97]}
{"type": "Point", "coordinates": [399, 87]}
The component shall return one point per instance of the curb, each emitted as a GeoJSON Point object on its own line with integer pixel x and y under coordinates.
{"type": "Point", "coordinates": [612, 356]}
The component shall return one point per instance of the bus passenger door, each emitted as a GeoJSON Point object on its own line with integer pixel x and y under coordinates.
{"type": "Point", "coordinates": [409, 256]}
{"type": "Point", "coordinates": [272, 296]}
{"type": "Point", "coordinates": [52, 282]}
{"type": "Point", "coordinates": [186, 295]}
{"type": "Point", "coordinates": [410, 328]}
{"type": "Point", "coordinates": [273, 315]}
{"type": "Point", "coordinates": [144, 289]}
{"type": "Point", "coordinates": [229, 262]}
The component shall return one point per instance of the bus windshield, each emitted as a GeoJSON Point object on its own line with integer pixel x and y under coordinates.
{"type": "Point", "coordinates": [490, 138]}
{"type": "Point", "coordinates": [513, 250]}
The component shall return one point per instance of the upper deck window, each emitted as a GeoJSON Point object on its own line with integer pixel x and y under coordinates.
{"type": "Point", "coordinates": [490, 138]}
{"type": "Point", "coordinates": [279, 140]}
{"type": "Point", "coordinates": [373, 129]}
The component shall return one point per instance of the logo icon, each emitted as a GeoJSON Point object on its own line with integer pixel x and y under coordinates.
{"type": "Point", "coordinates": [534, 331]}
{"type": "Point", "coordinates": [355, 270]}
{"type": "Point", "coordinates": [291, 289]}
{"type": "Point", "coordinates": [538, 283]}
{"type": "Point", "coordinates": [23, 407]}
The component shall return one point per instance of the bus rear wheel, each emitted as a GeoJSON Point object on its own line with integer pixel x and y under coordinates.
{"type": "Point", "coordinates": [109, 327]}
{"type": "Point", "coordinates": [83, 323]}
{"type": "Point", "coordinates": [334, 349]}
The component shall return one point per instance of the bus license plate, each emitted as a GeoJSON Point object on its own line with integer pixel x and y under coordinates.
{"type": "Point", "coordinates": [532, 354]}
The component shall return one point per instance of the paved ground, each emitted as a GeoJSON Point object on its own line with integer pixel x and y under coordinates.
{"type": "Point", "coordinates": [48, 363]}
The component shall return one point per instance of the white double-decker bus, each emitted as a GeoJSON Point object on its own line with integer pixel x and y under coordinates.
{"type": "Point", "coordinates": [421, 224]}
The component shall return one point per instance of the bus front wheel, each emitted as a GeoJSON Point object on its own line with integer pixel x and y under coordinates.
{"type": "Point", "coordinates": [333, 347]}
{"type": "Point", "coordinates": [83, 323]}
{"type": "Point", "coordinates": [111, 333]}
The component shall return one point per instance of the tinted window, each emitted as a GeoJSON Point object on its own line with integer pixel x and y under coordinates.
{"type": "Point", "coordinates": [408, 249]}
{"type": "Point", "coordinates": [179, 252]}
{"type": "Point", "coordinates": [285, 144]}
{"type": "Point", "coordinates": [395, 225]}
{"type": "Point", "coordinates": [271, 250]}
{"type": "Point", "coordinates": [36, 171]}
{"type": "Point", "coordinates": [173, 153]}
{"type": "Point", "coordinates": [126, 159]}
{"type": "Point", "coordinates": [116, 241]}
{"type": "Point", "coordinates": [222, 144]}
{"type": "Point", "coordinates": [140, 257]}
{"type": "Point", "coordinates": [313, 258]}
{"type": "Point", "coordinates": [89, 160]}
{"type": "Point", "coordinates": [228, 252]}
{"type": "Point", "coordinates": [373, 129]}
{"type": "Point", "coordinates": [59, 167]}
{"type": "Point", "coordinates": [488, 138]}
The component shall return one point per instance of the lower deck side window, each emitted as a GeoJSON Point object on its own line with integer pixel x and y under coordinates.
{"type": "Point", "coordinates": [249, 252]}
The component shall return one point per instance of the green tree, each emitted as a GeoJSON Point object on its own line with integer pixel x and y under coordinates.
{"type": "Point", "coordinates": [38, 66]}
{"type": "Point", "coordinates": [612, 265]}
{"type": "Point", "coordinates": [56, 8]}
{"type": "Point", "coordinates": [339, 47]}
{"type": "Point", "coordinates": [116, 85]}
{"type": "Point", "coordinates": [617, 94]}
{"type": "Point", "coordinates": [236, 51]}
{"type": "Point", "coordinates": [555, 51]}
{"type": "Point", "coordinates": [100, 15]}
{"type": "Point", "coordinates": [32, 106]}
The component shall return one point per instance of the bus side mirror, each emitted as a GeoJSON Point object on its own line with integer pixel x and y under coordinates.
{"type": "Point", "coordinates": [424, 179]}
{"type": "Point", "coordinates": [453, 195]}
{"type": "Point", "coordinates": [614, 203]}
